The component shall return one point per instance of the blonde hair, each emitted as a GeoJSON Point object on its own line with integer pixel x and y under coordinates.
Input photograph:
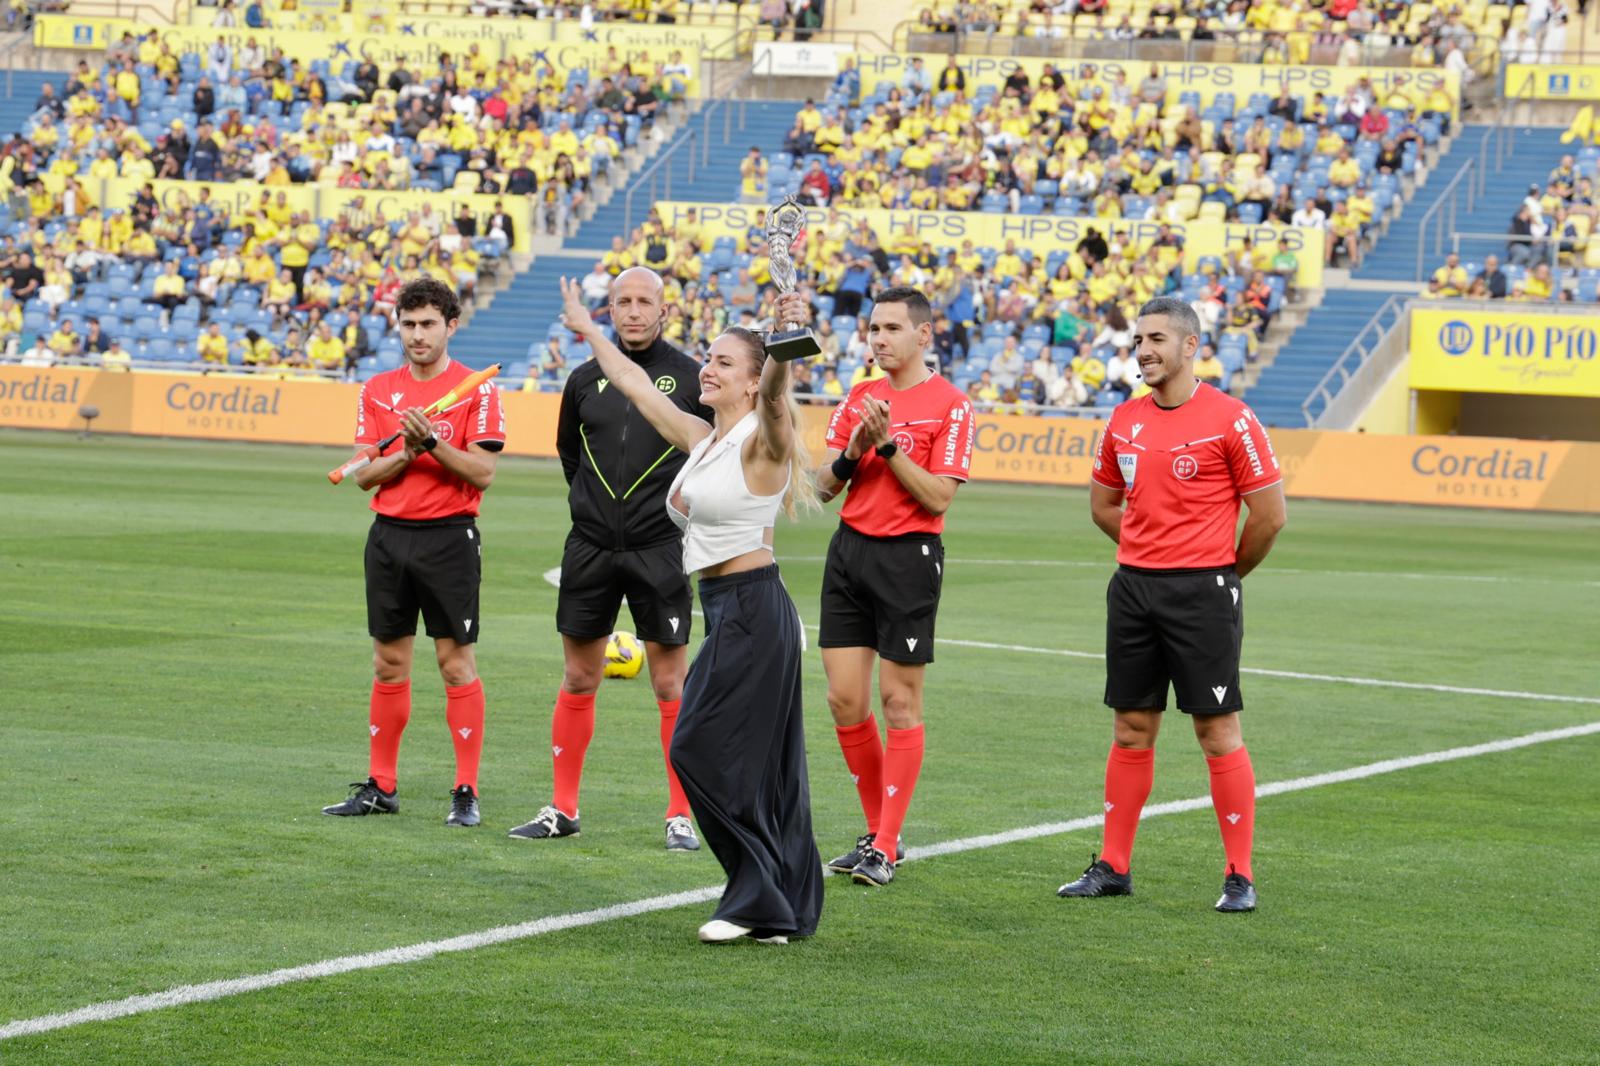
{"type": "Point", "coordinates": [801, 495]}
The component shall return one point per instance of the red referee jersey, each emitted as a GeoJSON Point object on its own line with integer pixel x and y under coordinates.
{"type": "Point", "coordinates": [425, 489]}
{"type": "Point", "coordinates": [1185, 471]}
{"type": "Point", "coordinates": [930, 422]}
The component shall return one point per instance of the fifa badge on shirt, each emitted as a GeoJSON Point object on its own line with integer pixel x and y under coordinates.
{"type": "Point", "coordinates": [1128, 463]}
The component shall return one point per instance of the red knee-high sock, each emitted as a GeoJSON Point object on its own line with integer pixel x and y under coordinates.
{"type": "Point", "coordinates": [1233, 794]}
{"type": "Point", "coordinates": [677, 802]}
{"type": "Point", "coordinates": [1129, 773]}
{"type": "Point", "coordinates": [571, 729]}
{"type": "Point", "coordinates": [387, 716]}
{"type": "Point", "coordinates": [902, 762]}
{"type": "Point", "coordinates": [863, 755]}
{"type": "Point", "coordinates": [464, 711]}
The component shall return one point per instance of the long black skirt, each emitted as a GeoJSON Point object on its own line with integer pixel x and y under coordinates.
{"type": "Point", "coordinates": [740, 750]}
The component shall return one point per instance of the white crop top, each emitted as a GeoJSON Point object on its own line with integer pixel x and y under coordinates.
{"type": "Point", "coordinates": [725, 518]}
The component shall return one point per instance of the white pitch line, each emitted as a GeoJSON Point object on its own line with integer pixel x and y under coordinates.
{"type": "Point", "coordinates": [212, 990]}
{"type": "Point", "coordinates": [554, 577]}
{"type": "Point", "coordinates": [1295, 675]}
{"type": "Point", "coordinates": [1087, 564]}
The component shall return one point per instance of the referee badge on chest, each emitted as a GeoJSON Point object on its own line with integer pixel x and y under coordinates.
{"type": "Point", "coordinates": [1128, 463]}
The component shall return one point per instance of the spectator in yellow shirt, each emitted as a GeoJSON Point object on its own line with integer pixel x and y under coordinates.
{"type": "Point", "coordinates": [1208, 368]}
{"type": "Point", "coordinates": [1538, 285]}
{"type": "Point", "coordinates": [1345, 172]}
{"type": "Point", "coordinates": [1452, 277]}
{"type": "Point", "coordinates": [170, 288]}
{"type": "Point", "coordinates": [66, 342]}
{"type": "Point", "coordinates": [1008, 264]}
{"type": "Point", "coordinates": [212, 345]}
{"type": "Point", "coordinates": [325, 350]}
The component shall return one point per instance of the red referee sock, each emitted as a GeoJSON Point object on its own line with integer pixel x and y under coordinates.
{"type": "Point", "coordinates": [571, 729]}
{"type": "Point", "coordinates": [387, 716]}
{"type": "Point", "coordinates": [464, 711]}
{"type": "Point", "coordinates": [1233, 794]}
{"type": "Point", "coordinates": [863, 756]}
{"type": "Point", "coordinates": [677, 802]}
{"type": "Point", "coordinates": [1129, 774]}
{"type": "Point", "coordinates": [902, 763]}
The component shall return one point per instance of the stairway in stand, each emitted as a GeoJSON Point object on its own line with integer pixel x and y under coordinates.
{"type": "Point", "coordinates": [1391, 266]}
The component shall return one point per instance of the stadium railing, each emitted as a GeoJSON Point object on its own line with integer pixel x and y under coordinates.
{"type": "Point", "coordinates": [1356, 376]}
{"type": "Point", "coordinates": [1441, 217]}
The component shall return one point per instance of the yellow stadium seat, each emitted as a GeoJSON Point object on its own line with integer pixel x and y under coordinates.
{"type": "Point", "coordinates": [1212, 211]}
{"type": "Point", "coordinates": [1591, 257]}
{"type": "Point", "coordinates": [1188, 192]}
{"type": "Point", "coordinates": [466, 181]}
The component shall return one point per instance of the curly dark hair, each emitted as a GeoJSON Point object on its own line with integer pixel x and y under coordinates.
{"type": "Point", "coordinates": [429, 292]}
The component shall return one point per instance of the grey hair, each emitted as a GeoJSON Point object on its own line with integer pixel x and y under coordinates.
{"type": "Point", "coordinates": [1177, 311]}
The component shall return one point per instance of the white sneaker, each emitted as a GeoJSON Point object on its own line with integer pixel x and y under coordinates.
{"type": "Point", "coordinates": [721, 932]}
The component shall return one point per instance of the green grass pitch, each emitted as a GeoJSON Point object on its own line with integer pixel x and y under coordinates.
{"type": "Point", "coordinates": [183, 676]}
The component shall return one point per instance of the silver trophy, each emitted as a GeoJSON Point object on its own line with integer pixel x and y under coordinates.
{"type": "Point", "coordinates": [784, 224]}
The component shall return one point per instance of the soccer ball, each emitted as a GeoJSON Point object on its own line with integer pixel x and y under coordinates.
{"type": "Point", "coordinates": [624, 655]}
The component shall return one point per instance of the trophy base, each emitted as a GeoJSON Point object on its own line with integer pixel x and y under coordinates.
{"type": "Point", "coordinates": [789, 345]}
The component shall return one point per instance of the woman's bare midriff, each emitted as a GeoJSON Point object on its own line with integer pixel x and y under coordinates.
{"type": "Point", "coordinates": [753, 560]}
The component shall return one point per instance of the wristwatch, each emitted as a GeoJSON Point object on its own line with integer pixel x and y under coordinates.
{"type": "Point", "coordinates": [430, 443]}
{"type": "Point", "coordinates": [887, 449]}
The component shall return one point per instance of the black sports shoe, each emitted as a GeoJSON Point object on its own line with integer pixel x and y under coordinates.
{"type": "Point", "coordinates": [549, 822]}
{"type": "Point", "coordinates": [680, 834]}
{"type": "Point", "coordinates": [847, 862]}
{"type": "Point", "coordinates": [366, 798]}
{"type": "Point", "coordinates": [463, 807]}
{"type": "Point", "coordinates": [1238, 894]}
{"type": "Point", "coordinates": [875, 869]}
{"type": "Point", "coordinates": [1099, 880]}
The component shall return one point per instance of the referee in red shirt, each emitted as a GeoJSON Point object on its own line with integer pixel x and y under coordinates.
{"type": "Point", "coordinates": [903, 444]}
{"type": "Point", "coordinates": [424, 552]}
{"type": "Point", "coordinates": [1173, 468]}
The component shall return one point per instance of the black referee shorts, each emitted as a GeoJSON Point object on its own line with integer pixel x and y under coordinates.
{"type": "Point", "coordinates": [432, 566]}
{"type": "Point", "coordinates": [882, 593]}
{"type": "Point", "coordinates": [594, 581]}
{"type": "Point", "coordinates": [1182, 628]}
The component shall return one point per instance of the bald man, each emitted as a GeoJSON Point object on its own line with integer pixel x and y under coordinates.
{"type": "Point", "coordinates": [622, 544]}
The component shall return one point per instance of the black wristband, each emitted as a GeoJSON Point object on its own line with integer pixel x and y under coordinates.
{"type": "Point", "coordinates": [844, 469]}
{"type": "Point", "coordinates": [431, 443]}
{"type": "Point", "coordinates": [887, 449]}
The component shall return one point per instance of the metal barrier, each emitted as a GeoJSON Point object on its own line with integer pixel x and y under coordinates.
{"type": "Point", "coordinates": [1349, 367]}
{"type": "Point", "coordinates": [659, 176]}
{"type": "Point", "coordinates": [1551, 242]}
{"type": "Point", "coordinates": [1442, 215]}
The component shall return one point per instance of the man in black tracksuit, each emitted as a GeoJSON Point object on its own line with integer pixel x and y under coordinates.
{"type": "Point", "coordinates": [622, 544]}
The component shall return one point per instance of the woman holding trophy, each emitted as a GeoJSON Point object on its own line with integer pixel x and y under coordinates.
{"type": "Point", "coordinates": [739, 743]}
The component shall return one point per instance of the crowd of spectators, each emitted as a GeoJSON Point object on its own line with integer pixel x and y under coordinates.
{"type": "Point", "coordinates": [1086, 143]}
{"type": "Point", "coordinates": [1014, 330]}
{"type": "Point", "coordinates": [1327, 32]}
{"type": "Point", "coordinates": [1549, 245]}
{"type": "Point", "coordinates": [193, 282]}
{"type": "Point", "coordinates": [514, 127]}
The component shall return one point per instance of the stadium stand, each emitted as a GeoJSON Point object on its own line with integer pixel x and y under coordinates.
{"type": "Point", "coordinates": [1046, 330]}
{"type": "Point", "coordinates": [1342, 32]}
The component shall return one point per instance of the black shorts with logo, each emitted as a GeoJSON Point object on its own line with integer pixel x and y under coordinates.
{"type": "Point", "coordinates": [882, 593]}
{"type": "Point", "coordinates": [433, 566]}
{"type": "Point", "coordinates": [1182, 628]}
{"type": "Point", "coordinates": [594, 581]}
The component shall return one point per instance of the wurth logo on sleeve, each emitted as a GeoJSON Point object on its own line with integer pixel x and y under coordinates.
{"type": "Point", "coordinates": [1249, 440]}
